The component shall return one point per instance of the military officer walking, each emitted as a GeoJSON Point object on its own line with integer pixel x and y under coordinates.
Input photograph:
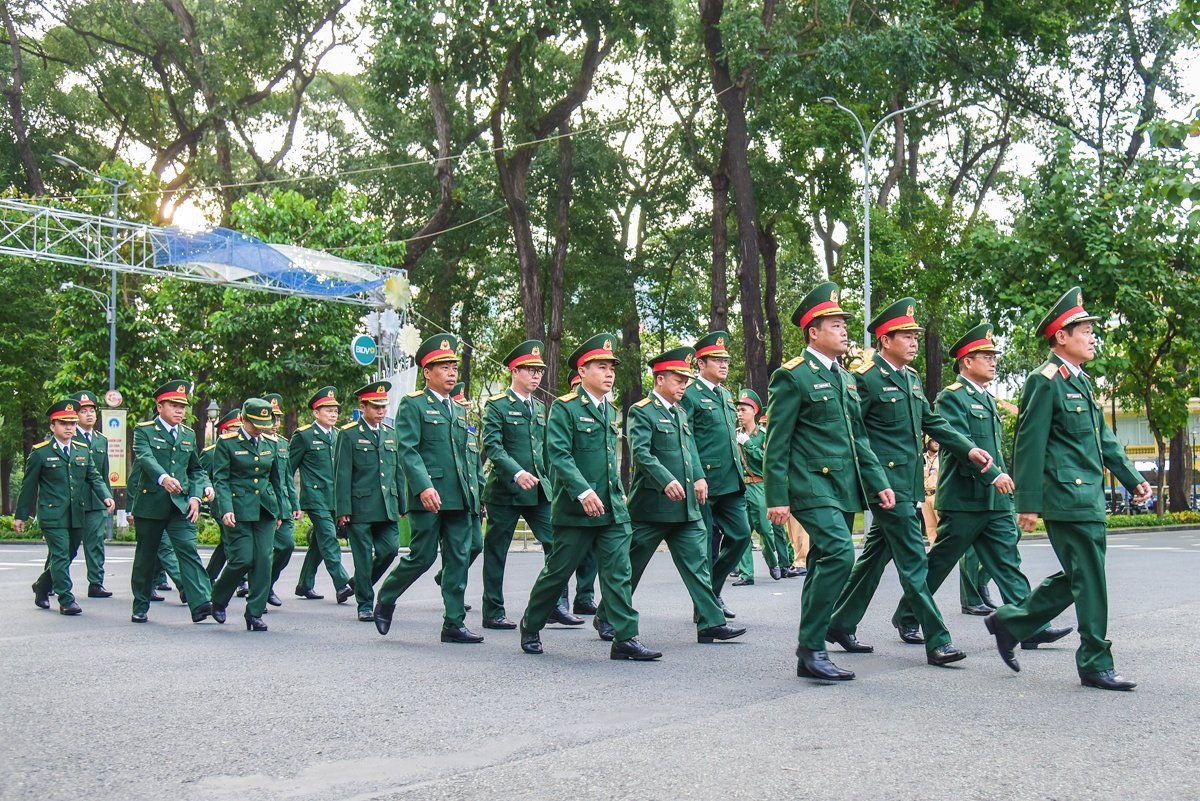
{"type": "Point", "coordinates": [172, 484]}
{"type": "Point", "coordinates": [248, 474]}
{"type": "Point", "coordinates": [667, 491]}
{"type": "Point", "coordinates": [588, 508]}
{"type": "Point", "coordinates": [60, 479]}
{"type": "Point", "coordinates": [439, 458]}
{"type": "Point", "coordinates": [285, 536]}
{"type": "Point", "coordinates": [752, 441]}
{"type": "Point", "coordinates": [96, 514]}
{"type": "Point", "coordinates": [975, 509]}
{"type": "Point", "coordinates": [1062, 448]}
{"type": "Point", "coordinates": [368, 493]}
{"type": "Point", "coordinates": [311, 453]}
{"type": "Point", "coordinates": [229, 421]}
{"type": "Point", "coordinates": [820, 467]}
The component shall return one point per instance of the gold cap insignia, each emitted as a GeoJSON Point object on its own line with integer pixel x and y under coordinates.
{"type": "Point", "coordinates": [911, 311]}
{"type": "Point", "coordinates": [536, 351]}
{"type": "Point", "coordinates": [70, 408]}
{"type": "Point", "coordinates": [84, 397]}
{"type": "Point", "coordinates": [1079, 299]}
{"type": "Point", "coordinates": [445, 344]}
{"type": "Point", "coordinates": [329, 394]}
{"type": "Point", "coordinates": [988, 335]}
{"type": "Point", "coordinates": [720, 342]}
{"type": "Point", "coordinates": [274, 403]}
{"type": "Point", "coordinates": [608, 344]}
{"type": "Point", "coordinates": [181, 388]}
{"type": "Point", "coordinates": [833, 296]}
{"type": "Point", "coordinates": [380, 389]}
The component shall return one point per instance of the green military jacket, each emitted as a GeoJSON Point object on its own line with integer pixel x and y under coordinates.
{"type": "Point", "coordinates": [961, 487]}
{"type": "Point", "coordinates": [437, 450]}
{"type": "Point", "coordinates": [581, 447]}
{"type": "Point", "coordinates": [368, 484]}
{"type": "Point", "coordinates": [714, 421]}
{"type": "Point", "coordinates": [753, 452]}
{"type": "Point", "coordinates": [514, 440]}
{"type": "Point", "coordinates": [98, 448]}
{"type": "Point", "coordinates": [206, 457]}
{"type": "Point", "coordinates": [663, 449]}
{"type": "Point", "coordinates": [154, 454]}
{"type": "Point", "coordinates": [1063, 446]}
{"type": "Point", "coordinates": [60, 489]}
{"type": "Point", "coordinates": [817, 453]}
{"type": "Point", "coordinates": [311, 453]}
{"type": "Point", "coordinates": [290, 500]}
{"type": "Point", "coordinates": [248, 477]}
{"type": "Point", "coordinates": [895, 412]}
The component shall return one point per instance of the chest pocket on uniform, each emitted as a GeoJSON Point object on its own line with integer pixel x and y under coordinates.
{"type": "Point", "coordinates": [1077, 416]}
{"type": "Point", "coordinates": [889, 406]}
{"type": "Point", "coordinates": [589, 436]}
{"type": "Point", "coordinates": [980, 422]}
{"type": "Point", "coordinates": [824, 404]}
{"type": "Point", "coordinates": [434, 428]}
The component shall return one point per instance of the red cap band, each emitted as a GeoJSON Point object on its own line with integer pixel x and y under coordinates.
{"type": "Point", "coordinates": [1058, 324]}
{"type": "Point", "coordinates": [673, 364]}
{"type": "Point", "coordinates": [61, 413]}
{"type": "Point", "coordinates": [528, 357]}
{"type": "Point", "coordinates": [592, 355]}
{"type": "Point", "coordinates": [749, 402]}
{"type": "Point", "coordinates": [820, 310]}
{"type": "Point", "coordinates": [437, 355]}
{"type": "Point", "coordinates": [711, 350]}
{"type": "Point", "coordinates": [971, 347]}
{"type": "Point", "coordinates": [893, 324]}
{"type": "Point", "coordinates": [173, 395]}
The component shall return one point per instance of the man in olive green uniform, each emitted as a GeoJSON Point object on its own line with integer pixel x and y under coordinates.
{"type": "Point", "coordinates": [95, 515]}
{"type": "Point", "coordinates": [172, 484]}
{"type": "Point", "coordinates": [475, 459]}
{"type": "Point", "coordinates": [311, 453]}
{"type": "Point", "coordinates": [714, 421]}
{"type": "Point", "coordinates": [975, 509]}
{"type": "Point", "coordinates": [585, 574]}
{"type": "Point", "coordinates": [895, 412]}
{"type": "Point", "coordinates": [248, 475]}
{"type": "Point", "coordinates": [60, 479]}
{"type": "Point", "coordinates": [230, 421]}
{"type": "Point", "coordinates": [1062, 447]}
{"type": "Point", "coordinates": [368, 493]}
{"type": "Point", "coordinates": [752, 442]}
{"type": "Point", "coordinates": [289, 512]}
{"type": "Point", "coordinates": [439, 459]}
{"type": "Point", "coordinates": [667, 491]}
{"type": "Point", "coordinates": [819, 467]}
{"type": "Point", "coordinates": [588, 505]}
{"type": "Point", "coordinates": [514, 440]}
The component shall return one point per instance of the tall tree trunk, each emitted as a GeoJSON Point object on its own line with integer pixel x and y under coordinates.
{"type": "Point", "coordinates": [468, 352]}
{"type": "Point", "coordinates": [6, 468]}
{"type": "Point", "coordinates": [718, 318]}
{"type": "Point", "coordinates": [14, 87]}
{"type": "Point", "coordinates": [1179, 479]}
{"type": "Point", "coordinates": [769, 246]}
{"type": "Point", "coordinates": [447, 207]}
{"type": "Point", "coordinates": [935, 360]}
{"type": "Point", "coordinates": [562, 233]}
{"type": "Point", "coordinates": [1160, 459]}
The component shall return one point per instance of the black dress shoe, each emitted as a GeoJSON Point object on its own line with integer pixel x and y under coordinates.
{"type": "Point", "coordinates": [98, 591]}
{"type": "Point", "coordinates": [461, 635]}
{"type": "Point", "coordinates": [908, 634]}
{"type": "Point", "coordinates": [583, 608]}
{"type": "Point", "coordinates": [70, 609]}
{"type": "Point", "coordinates": [849, 642]}
{"type": "Point", "coordinates": [776, 573]}
{"type": "Point", "coordinates": [531, 641]}
{"type": "Point", "coordinates": [742, 582]}
{"type": "Point", "coordinates": [816, 665]}
{"type": "Point", "coordinates": [980, 610]}
{"type": "Point", "coordinates": [1005, 642]}
{"type": "Point", "coordinates": [243, 590]}
{"type": "Point", "coordinates": [138, 617]}
{"type": "Point", "coordinates": [308, 595]}
{"type": "Point", "coordinates": [163, 587]}
{"type": "Point", "coordinates": [1046, 636]}
{"type": "Point", "coordinates": [796, 572]}
{"type": "Point", "coordinates": [182, 597]}
{"type": "Point", "coordinates": [633, 650]}
{"type": "Point", "coordinates": [255, 623]}
{"type": "Point", "coordinates": [498, 623]}
{"type": "Point", "coordinates": [729, 615]}
{"type": "Point", "coordinates": [718, 633]}
{"type": "Point", "coordinates": [944, 655]}
{"type": "Point", "coordinates": [154, 596]}
{"type": "Point", "coordinates": [986, 597]}
{"type": "Point", "coordinates": [273, 599]}
{"type": "Point", "coordinates": [202, 611]}
{"type": "Point", "coordinates": [365, 616]}
{"type": "Point", "coordinates": [1106, 680]}
{"type": "Point", "coordinates": [345, 594]}
{"type": "Point", "coordinates": [561, 616]}
{"type": "Point", "coordinates": [218, 613]}
{"type": "Point", "coordinates": [41, 598]}
{"type": "Point", "coordinates": [382, 616]}
{"type": "Point", "coordinates": [467, 607]}
{"type": "Point", "coordinates": [604, 629]}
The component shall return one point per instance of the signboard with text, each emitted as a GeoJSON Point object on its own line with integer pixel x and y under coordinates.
{"type": "Point", "coordinates": [113, 424]}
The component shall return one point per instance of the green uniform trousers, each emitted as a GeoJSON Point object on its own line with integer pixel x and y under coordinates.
{"type": "Point", "coordinates": [248, 549]}
{"type": "Point", "coordinates": [283, 548]}
{"type": "Point", "coordinates": [373, 547]}
{"type": "Point", "coordinates": [452, 532]}
{"type": "Point", "coordinates": [689, 547]}
{"type": "Point", "coordinates": [95, 524]}
{"type": "Point", "coordinates": [216, 559]}
{"type": "Point", "coordinates": [150, 532]}
{"type": "Point", "coordinates": [895, 535]}
{"type": "Point", "coordinates": [322, 547]}
{"type": "Point", "coordinates": [776, 549]}
{"type": "Point", "coordinates": [830, 559]}
{"type": "Point", "coordinates": [61, 546]}
{"type": "Point", "coordinates": [992, 535]}
{"type": "Point", "coordinates": [502, 523]}
{"type": "Point", "coordinates": [972, 576]}
{"type": "Point", "coordinates": [729, 512]}
{"type": "Point", "coordinates": [572, 544]}
{"type": "Point", "coordinates": [168, 565]}
{"type": "Point", "coordinates": [1080, 548]}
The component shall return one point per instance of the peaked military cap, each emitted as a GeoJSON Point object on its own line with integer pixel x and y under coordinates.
{"type": "Point", "coordinates": [1067, 311]}
{"type": "Point", "coordinates": [712, 344]}
{"type": "Point", "coordinates": [257, 411]}
{"type": "Point", "coordinates": [748, 397]}
{"type": "Point", "coordinates": [84, 398]}
{"type": "Point", "coordinates": [573, 378]}
{"type": "Point", "coordinates": [821, 301]}
{"type": "Point", "coordinates": [66, 410]}
{"type": "Point", "coordinates": [527, 354]}
{"type": "Point", "coordinates": [899, 316]}
{"type": "Point", "coordinates": [438, 348]}
{"type": "Point", "coordinates": [175, 390]}
{"type": "Point", "coordinates": [977, 340]}
{"type": "Point", "coordinates": [375, 394]}
{"type": "Point", "coordinates": [325, 396]}
{"type": "Point", "coordinates": [598, 348]}
{"type": "Point", "coordinates": [231, 419]}
{"type": "Point", "coordinates": [276, 401]}
{"type": "Point", "coordinates": [676, 360]}
{"type": "Point", "coordinates": [459, 393]}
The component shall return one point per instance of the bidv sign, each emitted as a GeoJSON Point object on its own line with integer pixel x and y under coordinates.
{"type": "Point", "coordinates": [362, 348]}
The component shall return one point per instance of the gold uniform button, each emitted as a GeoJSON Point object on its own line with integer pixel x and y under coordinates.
{"type": "Point", "coordinates": [824, 469]}
{"type": "Point", "coordinates": [256, 492]}
{"type": "Point", "coordinates": [256, 481]}
{"type": "Point", "coordinates": [1079, 481]}
{"type": "Point", "coordinates": [891, 464]}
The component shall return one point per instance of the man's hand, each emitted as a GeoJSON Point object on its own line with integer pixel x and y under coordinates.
{"type": "Point", "coordinates": [701, 491]}
{"type": "Point", "coordinates": [1004, 484]}
{"type": "Point", "coordinates": [1142, 492]}
{"type": "Point", "coordinates": [19, 526]}
{"type": "Point", "coordinates": [526, 480]}
{"type": "Point", "coordinates": [229, 520]}
{"type": "Point", "coordinates": [1027, 521]}
{"type": "Point", "coordinates": [778, 515]}
{"type": "Point", "coordinates": [172, 485]}
{"type": "Point", "coordinates": [674, 491]}
{"type": "Point", "coordinates": [482, 510]}
{"type": "Point", "coordinates": [209, 493]}
{"type": "Point", "coordinates": [193, 512]}
{"type": "Point", "coordinates": [980, 457]}
{"type": "Point", "coordinates": [431, 500]}
{"type": "Point", "coordinates": [296, 515]}
{"type": "Point", "coordinates": [592, 505]}
{"type": "Point", "coordinates": [278, 523]}
{"type": "Point", "coordinates": [887, 499]}
{"type": "Point", "coordinates": [110, 505]}
{"type": "Point", "coordinates": [343, 520]}
{"type": "Point", "coordinates": [742, 437]}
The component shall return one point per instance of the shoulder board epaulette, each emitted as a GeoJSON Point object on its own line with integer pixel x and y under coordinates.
{"type": "Point", "coordinates": [865, 367]}
{"type": "Point", "coordinates": [271, 437]}
{"type": "Point", "coordinates": [791, 363]}
{"type": "Point", "coordinates": [185, 427]}
{"type": "Point", "coordinates": [230, 434]}
{"type": "Point", "coordinates": [641, 403]}
{"type": "Point", "coordinates": [570, 396]}
{"type": "Point", "coordinates": [349, 426]}
{"type": "Point", "coordinates": [1048, 371]}
{"type": "Point", "coordinates": [209, 448]}
{"type": "Point", "coordinates": [41, 444]}
{"type": "Point", "coordinates": [146, 423]}
{"type": "Point", "coordinates": [415, 393]}
{"type": "Point", "coordinates": [302, 428]}
{"type": "Point", "coordinates": [911, 369]}
{"type": "Point", "coordinates": [498, 396]}
{"type": "Point", "coordinates": [388, 427]}
{"type": "Point", "coordinates": [954, 386]}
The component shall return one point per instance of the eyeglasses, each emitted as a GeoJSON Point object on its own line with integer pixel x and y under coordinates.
{"type": "Point", "coordinates": [987, 357]}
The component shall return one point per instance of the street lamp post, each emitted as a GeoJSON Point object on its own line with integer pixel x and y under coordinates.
{"type": "Point", "coordinates": [866, 197]}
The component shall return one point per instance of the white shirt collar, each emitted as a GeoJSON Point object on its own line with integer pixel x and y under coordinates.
{"type": "Point", "coordinates": [663, 400]}
{"type": "Point", "coordinates": [972, 383]}
{"type": "Point", "coordinates": [705, 382]}
{"type": "Point", "coordinates": [821, 357]}
{"type": "Point", "coordinates": [889, 364]}
{"type": "Point", "coordinates": [62, 444]}
{"type": "Point", "coordinates": [167, 425]}
{"type": "Point", "coordinates": [438, 395]}
{"type": "Point", "coordinates": [523, 398]}
{"type": "Point", "coordinates": [81, 431]}
{"type": "Point", "coordinates": [1074, 368]}
{"type": "Point", "coordinates": [598, 401]}
{"type": "Point", "coordinates": [322, 428]}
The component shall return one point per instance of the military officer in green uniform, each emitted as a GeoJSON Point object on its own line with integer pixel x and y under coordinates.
{"type": "Point", "coordinates": [667, 491]}
{"type": "Point", "coordinates": [819, 467]}
{"type": "Point", "coordinates": [752, 441]}
{"type": "Point", "coordinates": [588, 504]}
{"type": "Point", "coordinates": [1062, 448]}
{"type": "Point", "coordinates": [895, 412]}
{"type": "Point", "coordinates": [714, 421]}
{"type": "Point", "coordinates": [311, 453]}
{"type": "Point", "coordinates": [285, 536]}
{"type": "Point", "coordinates": [229, 421]}
{"type": "Point", "coordinates": [248, 474]}
{"type": "Point", "coordinates": [975, 509]}
{"type": "Point", "coordinates": [439, 459]}
{"type": "Point", "coordinates": [514, 440]}
{"type": "Point", "coordinates": [585, 574]}
{"type": "Point", "coordinates": [60, 480]}
{"type": "Point", "coordinates": [368, 493]}
{"type": "Point", "coordinates": [459, 396]}
{"type": "Point", "coordinates": [95, 515]}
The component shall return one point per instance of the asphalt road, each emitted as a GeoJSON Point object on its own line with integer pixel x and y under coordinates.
{"type": "Point", "coordinates": [322, 707]}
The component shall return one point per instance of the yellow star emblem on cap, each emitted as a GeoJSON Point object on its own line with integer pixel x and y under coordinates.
{"type": "Point", "coordinates": [721, 342]}
{"type": "Point", "coordinates": [988, 335]}
{"type": "Point", "coordinates": [445, 344]}
{"type": "Point", "coordinates": [911, 311]}
{"type": "Point", "coordinates": [380, 388]}
{"type": "Point", "coordinates": [181, 388]}
{"type": "Point", "coordinates": [84, 397]}
{"type": "Point", "coordinates": [608, 344]}
{"type": "Point", "coordinates": [1079, 298]}
{"type": "Point", "coordinates": [70, 408]}
{"type": "Point", "coordinates": [536, 351]}
{"type": "Point", "coordinates": [329, 394]}
{"type": "Point", "coordinates": [833, 296]}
